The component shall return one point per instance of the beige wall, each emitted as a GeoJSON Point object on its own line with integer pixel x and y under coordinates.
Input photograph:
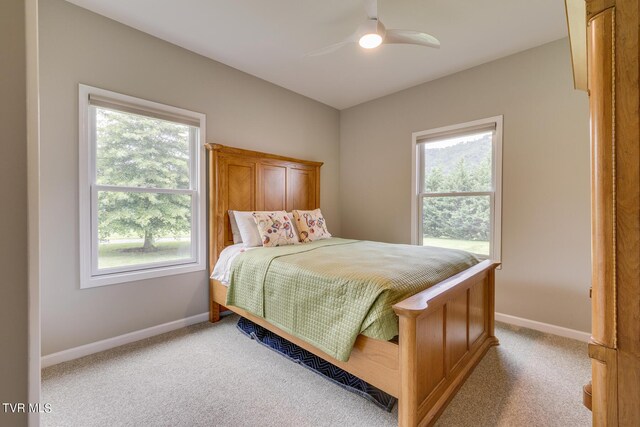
{"type": "Point", "coordinates": [545, 217]}
{"type": "Point", "coordinates": [77, 46]}
{"type": "Point", "coordinates": [13, 194]}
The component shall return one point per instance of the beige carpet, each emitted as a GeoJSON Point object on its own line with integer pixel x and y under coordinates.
{"type": "Point", "coordinates": [212, 375]}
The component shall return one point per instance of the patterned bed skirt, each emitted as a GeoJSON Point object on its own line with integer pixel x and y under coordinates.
{"type": "Point", "coordinates": [316, 364]}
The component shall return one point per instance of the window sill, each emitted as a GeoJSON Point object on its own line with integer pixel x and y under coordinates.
{"type": "Point", "coordinates": [134, 276]}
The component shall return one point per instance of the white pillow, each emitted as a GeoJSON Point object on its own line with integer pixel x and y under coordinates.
{"type": "Point", "coordinates": [237, 238]}
{"type": "Point", "coordinates": [247, 228]}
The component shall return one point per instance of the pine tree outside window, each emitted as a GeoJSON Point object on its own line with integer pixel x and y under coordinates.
{"type": "Point", "coordinates": [457, 187]}
{"type": "Point", "coordinates": [141, 182]}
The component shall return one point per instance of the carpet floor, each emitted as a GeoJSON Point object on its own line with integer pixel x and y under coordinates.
{"type": "Point", "coordinates": [213, 375]}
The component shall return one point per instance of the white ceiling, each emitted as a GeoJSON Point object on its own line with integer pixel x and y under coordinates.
{"type": "Point", "coordinates": [269, 38]}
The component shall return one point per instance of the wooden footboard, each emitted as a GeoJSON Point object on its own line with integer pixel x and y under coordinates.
{"type": "Point", "coordinates": [444, 332]}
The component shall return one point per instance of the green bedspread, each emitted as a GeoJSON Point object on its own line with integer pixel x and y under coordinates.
{"type": "Point", "coordinates": [328, 291]}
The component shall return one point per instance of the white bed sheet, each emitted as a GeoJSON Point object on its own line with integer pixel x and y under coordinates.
{"type": "Point", "coordinates": [222, 269]}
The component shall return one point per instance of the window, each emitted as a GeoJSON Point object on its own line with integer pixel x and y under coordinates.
{"type": "Point", "coordinates": [141, 189]}
{"type": "Point", "coordinates": [457, 187]}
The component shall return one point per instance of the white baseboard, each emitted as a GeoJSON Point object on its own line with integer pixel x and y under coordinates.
{"type": "Point", "coordinates": [544, 327]}
{"type": "Point", "coordinates": [98, 346]}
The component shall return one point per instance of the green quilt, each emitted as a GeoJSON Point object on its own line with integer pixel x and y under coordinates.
{"type": "Point", "coordinates": [328, 291]}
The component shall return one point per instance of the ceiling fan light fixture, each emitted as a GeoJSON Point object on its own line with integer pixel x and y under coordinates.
{"type": "Point", "coordinates": [372, 33]}
{"type": "Point", "coordinates": [370, 41]}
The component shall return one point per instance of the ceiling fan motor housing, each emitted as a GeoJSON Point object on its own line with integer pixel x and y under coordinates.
{"type": "Point", "coordinates": [372, 26]}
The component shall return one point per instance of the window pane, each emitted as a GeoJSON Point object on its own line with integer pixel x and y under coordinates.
{"type": "Point", "coordinates": [459, 222]}
{"type": "Point", "coordinates": [143, 228]}
{"type": "Point", "coordinates": [139, 151]}
{"type": "Point", "coordinates": [458, 164]}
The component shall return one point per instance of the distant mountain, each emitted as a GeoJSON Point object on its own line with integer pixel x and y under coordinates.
{"type": "Point", "coordinates": [446, 158]}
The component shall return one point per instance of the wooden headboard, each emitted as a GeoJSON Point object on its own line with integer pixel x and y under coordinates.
{"type": "Point", "coordinates": [246, 180]}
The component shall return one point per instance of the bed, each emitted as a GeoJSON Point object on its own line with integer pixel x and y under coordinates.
{"type": "Point", "coordinates": [444, 331]}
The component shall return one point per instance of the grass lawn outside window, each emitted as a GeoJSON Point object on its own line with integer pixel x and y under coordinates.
{"type": "Point", "coordinates": [475, 247]}
{"type": "Point", "coordinates": [117, 253]}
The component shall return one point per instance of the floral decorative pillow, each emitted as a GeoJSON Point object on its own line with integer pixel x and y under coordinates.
{"type": "Point", "coordinates": [311, 225]}
{"type": "Point", "coordinates": [295, 229]}
{"type": "Point", "coordinates": [275, 228]}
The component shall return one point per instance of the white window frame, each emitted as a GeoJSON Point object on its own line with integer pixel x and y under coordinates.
{"type": "Point", "coordinates": [496, 183]}
{"type": "Point", "coordinates": [90, 276]}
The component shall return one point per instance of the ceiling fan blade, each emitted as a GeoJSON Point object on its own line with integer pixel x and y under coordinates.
{"type": "Point", "coordinates": [328, 49]}
{"type": "Point", "coordinates": [332, 48]}
{"type": "Point", "coordinates": [411, 37]}
{"type": "Point", "coordinates": [371, 8]}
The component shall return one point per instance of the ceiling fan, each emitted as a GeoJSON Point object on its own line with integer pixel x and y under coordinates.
{"type": "Point", "coordinates": [372, 33]}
